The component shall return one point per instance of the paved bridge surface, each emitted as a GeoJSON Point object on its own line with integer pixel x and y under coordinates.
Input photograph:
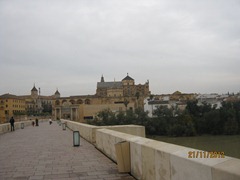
{"type": "Point", "coordinates": [47, 152]}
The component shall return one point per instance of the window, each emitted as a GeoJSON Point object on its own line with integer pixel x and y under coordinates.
{"type": "Point", "coordinates": [79, 101]}
{"type": "Point", "coordinates": [57, 102]}
{"type": "Point", "coordinates": [72, 101]}
{"type": "Point", "coordinates": [87, 101]}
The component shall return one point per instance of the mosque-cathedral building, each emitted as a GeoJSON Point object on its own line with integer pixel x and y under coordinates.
{"type": "Point", "coordinates": [114, 95]}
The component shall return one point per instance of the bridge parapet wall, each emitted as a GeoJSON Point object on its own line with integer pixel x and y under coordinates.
{"type": "Point", "coordinates": [17, 125]}
{"type": "Point", "coordinates": [157, 160]}
{"type": "Point", "coordinates": [88, 132]}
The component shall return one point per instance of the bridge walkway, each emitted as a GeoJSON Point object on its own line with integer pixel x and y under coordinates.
{"type": "Point", "coordinates": [46, 152]}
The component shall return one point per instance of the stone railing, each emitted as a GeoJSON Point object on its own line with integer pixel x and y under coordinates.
{"type": "Point", "coordinates": [88, 132]}
{"type": "Point", "coordinates": [155, 160]}
{"type": "Point", "coordinates": [6, 127]}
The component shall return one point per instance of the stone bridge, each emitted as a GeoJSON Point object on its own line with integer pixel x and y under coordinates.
{"type": "Point", "coordinates": [46, 152]}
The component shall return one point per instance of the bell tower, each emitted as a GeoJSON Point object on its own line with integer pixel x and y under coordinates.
{"type": "Point", "coordinates": [34, 92]}
{"type": "Point", "coordinates": [57, 94]}
{"type": "Point", "coordinates": [102, 79]}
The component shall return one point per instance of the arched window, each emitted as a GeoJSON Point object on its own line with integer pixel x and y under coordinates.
{"type": "Point", "coordinates": [57, 102]}
{"type": "Point", "coordinates": [72, 101]}
{"type": "Point", "coordinates": [87, 101]}
{"type": "Point", "coordinates": [79, 101]}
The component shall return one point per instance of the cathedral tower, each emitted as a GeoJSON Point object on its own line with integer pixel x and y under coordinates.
{"type": "Point", "coordinates": [34, 93]}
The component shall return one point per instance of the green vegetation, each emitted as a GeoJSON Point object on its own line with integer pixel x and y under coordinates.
{"type": "Point", "coordinates": [195, 120]}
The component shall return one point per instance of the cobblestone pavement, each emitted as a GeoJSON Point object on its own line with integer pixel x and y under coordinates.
{"type": "Point", "coordinates": [47, 152]}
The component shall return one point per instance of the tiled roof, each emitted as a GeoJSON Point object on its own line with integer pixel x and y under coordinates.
{"type": "Point", "coordinates": [6, 96]}
{"type": "Point", "coordinates": [114, 84]}
{"type": "Point", "coordinates": [57, 92]}
{"type": "Point", "coordinates": [34, 89]}
{"type": "Point", "coordinates": [127, 78]}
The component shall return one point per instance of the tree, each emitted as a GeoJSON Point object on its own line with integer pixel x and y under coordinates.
{"type": "Point", "coordinates": [163, 111]}
{"type": "Point", "coordinates": [141, 116]}
{"type": "Point", "coordinates": [192, 108]}
{"type": "Point", "coordinates": [231, 126]}
{"type": "Point", "coordinates": [137, 96]}
{"type": "Point", "coordinates": [126, 102]}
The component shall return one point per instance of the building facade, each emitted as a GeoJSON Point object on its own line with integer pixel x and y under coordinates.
{"type": "Point", "coordinates": [176, 102]}
{"type": "Point", "coordinates": [11, 105]}
{"type": "Point", "coordinates": [18, 106]}
{"type": "Point", "coordinates": [37, 103]}
{"type": "Point", "coordinates": [114, 95]}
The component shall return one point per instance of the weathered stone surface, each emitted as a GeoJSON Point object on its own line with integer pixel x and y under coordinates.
{"type": "Point", "coordinates": [158, 160]}
{"type": "Point", "coordinates": [229, 170]}
{"type": "Point", "coordinates": [47, 152]}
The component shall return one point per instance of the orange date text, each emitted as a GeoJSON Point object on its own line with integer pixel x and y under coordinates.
{"type": "Point", "coordinates": [205, 154]}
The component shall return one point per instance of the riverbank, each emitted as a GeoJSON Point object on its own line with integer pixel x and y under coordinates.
{"type": "Point", "coordinates": [230, 145]}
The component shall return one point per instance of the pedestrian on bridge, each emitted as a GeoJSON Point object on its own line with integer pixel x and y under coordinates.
{"type": "Point", "coordinates": [37, 122]}
{"type": "Point", "coordinates": [12, 123]}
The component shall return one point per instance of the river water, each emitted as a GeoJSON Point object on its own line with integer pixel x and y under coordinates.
{"type": "Point", "coordinates": [230, 145]}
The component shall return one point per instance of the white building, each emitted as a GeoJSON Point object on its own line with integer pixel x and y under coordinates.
{"type": "Point", "coordinates": [215, 100]}
{"type": "Point", "coordinates": [150, 105]}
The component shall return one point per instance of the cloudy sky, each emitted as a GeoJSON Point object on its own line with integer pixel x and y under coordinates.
{"type": "Point", "coordinates": [190, 46]}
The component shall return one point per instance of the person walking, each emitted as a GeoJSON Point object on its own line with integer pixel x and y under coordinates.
{"type": "Point", "coordinates": [33, 123]}
{"type": "Point", "coordinates": [37, 122]}
{"type": "Point", "coordinates": [50, 121]}
{"type": "Point", "coordinates": [12, 123]}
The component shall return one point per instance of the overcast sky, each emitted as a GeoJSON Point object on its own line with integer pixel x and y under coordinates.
{"type": "Point", "coordinates": [190, 46]}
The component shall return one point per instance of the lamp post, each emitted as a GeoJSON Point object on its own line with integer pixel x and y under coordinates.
{"type": "Point", "coordinates": [64, 126]}
{"type": "Point", "coordinates": [76, 138]}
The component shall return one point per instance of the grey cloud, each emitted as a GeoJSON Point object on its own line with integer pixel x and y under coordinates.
{"type": "Point", "coordinates": [183, 45]}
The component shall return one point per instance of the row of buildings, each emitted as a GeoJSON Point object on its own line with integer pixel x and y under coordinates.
{"type": "Point", "coordinates": [114, 95]}
{"type": "Point", "coordinates": [178, 101]}
{"type": "Point", "coordinates": [18, 106]}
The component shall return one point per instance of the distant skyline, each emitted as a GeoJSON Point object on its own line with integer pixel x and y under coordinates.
{"type": "Point", "coordinates": [187, 46]}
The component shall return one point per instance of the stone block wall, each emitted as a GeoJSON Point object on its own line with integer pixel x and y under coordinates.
{"type": "Point", "coordinates": [157, 160]}
{"type": "Point", "coordinates": [17, 125]}
{"type": "Point", "coordinates": [88, 132]}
